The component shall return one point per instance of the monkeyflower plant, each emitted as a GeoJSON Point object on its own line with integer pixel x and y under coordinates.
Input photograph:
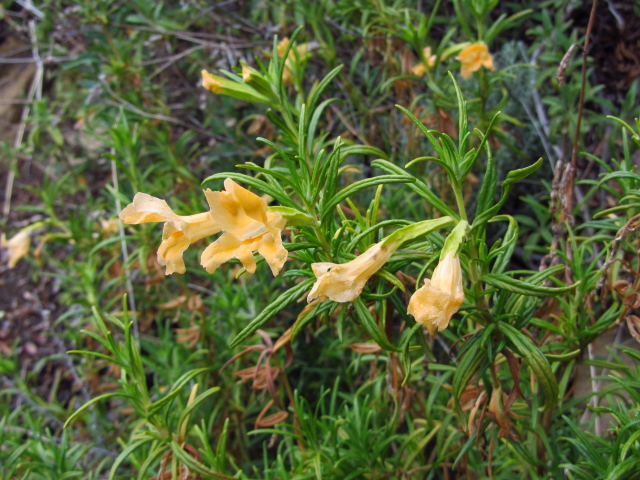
{"type": "Point", "coordinates": [334, 240]}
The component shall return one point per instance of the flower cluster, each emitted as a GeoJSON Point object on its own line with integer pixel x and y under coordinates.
{"type": "Point", "coordinates": [240, 214]}
{"type": "Point", "coordinates": [432, 305]}
{"type": "Point", "coordinates": [248, 226]}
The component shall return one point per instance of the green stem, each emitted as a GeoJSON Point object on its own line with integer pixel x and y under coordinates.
{"type": "Point", "coordinates": [457, 191]}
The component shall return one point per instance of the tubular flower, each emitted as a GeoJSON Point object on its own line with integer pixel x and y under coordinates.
{"type": "Point", "coordinates": [179, 231]}
{"type": "Point", "coordinates": [18, 246]}
{"type": "Point", "coordinates": [248, 227]}
{"type": "Point", "coordinates": [420, 68]}
{"type": "Point", "coordinates": [212, 83]}
{"type": "Point", "coordinates": [344, 282]}
{"type": "Point", "coordinates": [473, 57]}
{"type": "Point", "coordinates": [438, 299]}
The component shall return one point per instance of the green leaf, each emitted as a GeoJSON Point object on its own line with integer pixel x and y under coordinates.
{"type": "Point", "coordinates": [196, 403]}
{"type": "Point", "coordinates": [295, 217]}
{"type": "Point", "coordinates": [536, 360]}
{"type": "Point", "coordinates": [619, 175]}
{"type": "Point", "coordinates": [104, 396]}
{"type": "Point", "coordinates": [509, 241]}
{"type": "Point", "coordinates": [194, 464]}
{"type": "Point", "coordinates": [417, 186]}
{"type": "Point", "coordinates": [125, 455]}
{"type": "Point", "coordinates": [274, 307]}
{"type": "Point", "coordinates": [157, 405]}
{"type": "Point", "coordinates": [361, 185]}
{"type": "Point", "coordinates": [371, 326]}
{"type": "Point", "coordinates": [505, 282]}
{"type": "Point", "coordinates": [469, 362]}
{"type": "Point", "coordinates": [512, 177]}
{"type": "Point", "coordinates": [487, 193]}
{"type": "Point", "coordinates": [319, 88]}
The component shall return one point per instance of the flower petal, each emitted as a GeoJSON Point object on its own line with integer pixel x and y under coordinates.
{"type": "Point", "coordinates": [238, 211]}
{"type": "Point", "coordinates": [147, 209]}
{"type": "Point", "coordinates": [438, 299]}
{"type": "Point", "coordinates": [18, 246]}
{"type": "Point", "coordinates": [219, 252]}
{"type": "Point", "coordinates": [429, 305]}
{"type": "Point", "coordinates": [344, 282]}
{"type": "Point", "coordinates": [170, 252]}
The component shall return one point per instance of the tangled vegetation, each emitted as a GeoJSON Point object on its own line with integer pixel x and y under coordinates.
{"type": "Point", "coordinates": [398, 241]}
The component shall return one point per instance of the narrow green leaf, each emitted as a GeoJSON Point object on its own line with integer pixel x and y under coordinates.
{"type": "Point", "coordinates": [274, 307]}
{"type": "Point", "coordinates": [371, 326]}
{"type": "Point", "coordinates": [361, 185]}
{"type": "Point", "coordinates": [502, 281]}
{"type": "Point", "coordinates": [419, 187]}
{"type": "Point", "coordinates": [536, 360]}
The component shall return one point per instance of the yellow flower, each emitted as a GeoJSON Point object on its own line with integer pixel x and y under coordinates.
{"type": "Point", "coordinates": [344, 282]}
{"type": "Point", "coordinates": [281, 48]}
{"type": "Point", "coordinates": [18, 246]}
{"type": "Point", "coordinates": [179, 231]}
{"type": "Point", "coordinates": [420, 68]}
{"type": "Point", "coordinates": [473, 57]}
{"type": "Point", "coordinates": [211, 83]}
{"type": "Point", "coordinates": [438, 299]}
{"type": "Point", "coordinates": [248, 227]}
{"type": "Point", "coordinates": [246, 74]}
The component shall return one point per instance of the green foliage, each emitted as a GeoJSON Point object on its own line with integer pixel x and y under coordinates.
{"type": "Point", "coordinates": [381, 160]}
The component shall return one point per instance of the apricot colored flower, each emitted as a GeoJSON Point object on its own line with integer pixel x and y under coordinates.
{"type": "Point", "coordinates": [18, 246]}
{"type": "Point", "coordinates": [179, 231]}
{"type": "Point", "coordinates": [438, 299]}
{"type": "Point", "coordinates": [211, 83]}
{"type": "Point", "coordinates": [248, 227]}
{"type": "Point", "coordinates": [344, 282]}
{"type": "Point", "coordinates": [473, 57]}
{"type": "Point", "coordinates": [281, 48]}
{"type": "Point", "coordinates": [420, 68]}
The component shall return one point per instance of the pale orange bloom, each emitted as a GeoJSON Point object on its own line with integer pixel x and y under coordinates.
{"type": "Point", "coordinates": [438, 299]}
{"type": "Point", "coordinates": [248, 227]}
{"type": "Point", "coordinates": [420, 68]}
{"type": "Point", "coordinates": [281, 48]}
{"type": "Point", "coordinates": [473, 57]}
{"type": "Point", "coordinates": [211, 83]}
{"type": "Point", "coordinates": [179, 231]}
{"type": "Point", "coordinates": [344, 282]}
{"type": "Point", "coordinates": [18, 246]}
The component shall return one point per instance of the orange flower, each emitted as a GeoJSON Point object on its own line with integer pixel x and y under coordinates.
{"type": "Point", "coordinates": [18, 246]}
{"type": "Point", "coordinates": [211, 82]}
{"type": "Point", "coordinates": [473, 57]}
{"type": "Point", "coordinates": [281, 48]}
{"type": "Point", "coordinates": [248, 227]}
{"type": "Point", "coordinates": [420, 68]}
{"type": "Point", "coordinates": [344, 282]}
{"type": "Point", "coordinates": [179, 231]}
{"type": "Point", "coordinates": [438, 299]}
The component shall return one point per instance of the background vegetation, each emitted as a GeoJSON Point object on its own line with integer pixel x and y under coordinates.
{"type": "Point", "coordinates": [537, 375]}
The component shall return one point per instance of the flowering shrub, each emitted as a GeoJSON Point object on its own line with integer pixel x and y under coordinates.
{"type": "Point", "coordinates": [360, 272]}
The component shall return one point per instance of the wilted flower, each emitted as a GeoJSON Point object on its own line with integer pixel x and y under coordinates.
{"type": "Point", "coordinates": [473, 57]}
{"type": "Point", "coordinates": [179, 231]}
{"type": "Point", "coordinates": [344, 282]}
{"type": "Point", "coordinates": [248, 227]}
{"type": "Point", "coordinates": [18, 246]}
{"type": "Point", "coordinates": [438, 299]}
{"type": "Point", "coordinates": [420, 68]}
